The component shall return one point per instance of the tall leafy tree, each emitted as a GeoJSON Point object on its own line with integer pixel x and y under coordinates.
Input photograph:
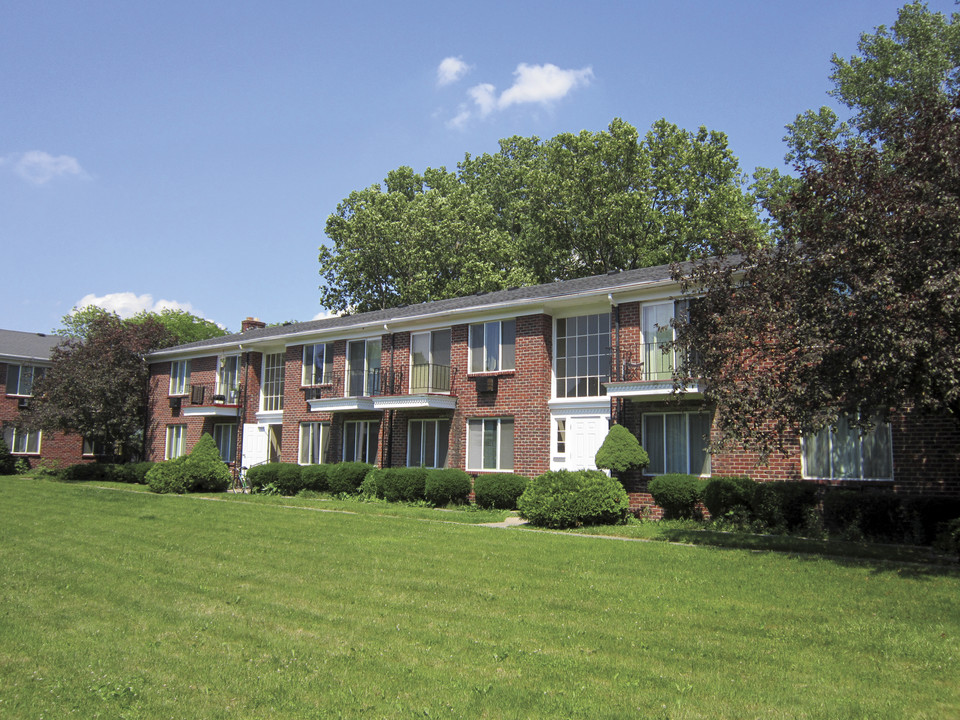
{"type": "Point", "coordinates": [856, 311]}
{"type": "Point", "coordinates": [97, 386]}
{"type": "Point", "coordinates": [184, 327]}
{"type": "Point", "coordinates": [573, 206]}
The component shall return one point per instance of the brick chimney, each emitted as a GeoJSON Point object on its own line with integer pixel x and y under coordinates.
{"type": "Point", "coordinates": [252, 323]}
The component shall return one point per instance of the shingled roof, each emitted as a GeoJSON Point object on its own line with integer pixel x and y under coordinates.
{"type": "Point", "coordinates": [24, 346]}
{"type": "Point", "coordinates": [596, 284]}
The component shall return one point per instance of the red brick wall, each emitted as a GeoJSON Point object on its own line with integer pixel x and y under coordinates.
{"type": "Point", "coordinates": [56, 449]}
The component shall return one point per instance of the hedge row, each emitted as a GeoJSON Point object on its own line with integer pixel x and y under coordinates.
{"type": "Point", "coordinates": [134, 473]}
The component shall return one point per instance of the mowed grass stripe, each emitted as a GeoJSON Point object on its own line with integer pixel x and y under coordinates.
{"type": "Point", "coordinates": [135, 605]}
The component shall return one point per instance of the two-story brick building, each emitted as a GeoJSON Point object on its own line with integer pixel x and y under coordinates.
{"type": "Point", "coordinates": [522, 380]}
{"type": "Point", "coordinates": [23, 358]}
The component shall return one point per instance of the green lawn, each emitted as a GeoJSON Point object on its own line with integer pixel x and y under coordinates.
{"type": "Point", "coordinates": [121, 604]}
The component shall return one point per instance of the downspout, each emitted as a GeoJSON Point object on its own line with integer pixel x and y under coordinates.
{"type": "Point", "coordinates": [388, 414]}
{"type": "Point", "coordinates": [615, 410]}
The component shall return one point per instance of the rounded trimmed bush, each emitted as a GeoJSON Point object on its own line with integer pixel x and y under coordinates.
{"type": "Point", "coordinates": [447, 486]}
{"type": "Point", "coordinates": [206, 469]}
{"type": "Point", "coordinates": [565, 498]}
{"type": "Point", "coordinates": [169, 476]}
{"type": "Point", "coordinates": [621, 451]}
{"type": "Point", "coordinates": [677, 494]}
{"type": "Point", "coordinates": [259, 476]}
{"type": "Point", "coordinates": [784, 505]}
{"type": "Point", "coordinates": [724, 494]}
{"type": "Point", "coordinates": [346, 477]}
{"type": "Point", "coordinates": [314, 477]}
{"type": "Point", "coordinates": [401, 484]}
{"type": "Point", "coordinates": [499, 491]}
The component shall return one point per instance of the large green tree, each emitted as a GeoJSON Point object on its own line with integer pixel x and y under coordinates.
{"type": "Point", "coordinates": [184, 327]}
{"type": "Point", "coordinates": [576, 205]}
{"type": "Point", "coordinates": [97, 385]}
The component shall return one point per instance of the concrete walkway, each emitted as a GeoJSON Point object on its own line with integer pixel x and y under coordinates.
{"type": "Point", "coordinates": [511, 521]}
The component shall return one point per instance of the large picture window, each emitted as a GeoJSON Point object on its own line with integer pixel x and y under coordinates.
{"type": "Point", "coordinates": [180, 377]}
{"type": "Point", "coordinates": [225, 437]}
{"type": "Point", "coordinates": [317, 364]}
{"type": "Point", "coordinates": [272, 393]}
{"type": "Point", "coordinates": [677, 442]}
{"type": "Point", "coordinates": [427, 443]}
{"type": "Point", "coordinates": [847, 453]}
{"type": "Point", "coordinates": [20, 379]}
{"type": "Point", "coordinates": [493, 346]}
{"type": "Point", "coordinates": [22, 442]}
{"type": "Point", "coordinates": [176, 441]}
{"type": "Point", "coordinates": [490, 444]}
{"type": "Point", "coordinates": [314, 442]}
{"type": "Point", "coordinates": [360, 439]}
{"type": "Point", "coordinates": [583, 355]}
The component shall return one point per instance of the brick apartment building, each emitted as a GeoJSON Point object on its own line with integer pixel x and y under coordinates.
{"type": "Point", "coordinates": [23, 358]}
{"type": "Point", "coordinates": [523, 380]}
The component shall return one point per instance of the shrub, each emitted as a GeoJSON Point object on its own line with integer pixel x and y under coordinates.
{"type": "Point", "coordinates": [259, 476]}
{"type": "Point", "coordinates": [370, 487]}
{"type": "Point", "coordinates": [289, 480]}
{"type": "Point", "coordinates": [401, 484]}
{"type": "Point", "coordinates": [677, 494]}
{"type": "Point", "coordinates": [87, 472]}
{"type": "Point", "coordinates": [724, 494]}
{"type": "Point", "coordinates": [948, 540]}
{"type": "Point", "coordinates": [565, 498]}
{"type": "Point", "coordinates": [314, 477]}
{"type": "Point", "coordinates": [872, 515]}
{"type": "Point", "coordinates": [499, 490]}
{"type": "Point", "coordinates": [621, 451]}
{"type": "Point", "coordinates": [346, 477]}
{"type": "Point", "coordinates": [170, 476]}
{"type": "Point", "coordinates": [447, 486]}
{"type": "Point", "coordinates": [206, 469]}
{"type": "Point", "coordinates": [784, 505]}
{"type": "Point", "coordinates": [924, 518]}
{"type": "Point", "coordinates": [8, 463]}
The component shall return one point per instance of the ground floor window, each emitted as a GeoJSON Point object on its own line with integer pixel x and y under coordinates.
{"type": "Point", "coordinates": [490, 444]}
{"type": "Point", "coordinates": [225, 436]}
{"type": "Point", "coordinates": [22, 442]}
{"type": "Point", "coordinates": [848, 453]}
{"type": "Point", "coordinates": [314, 442]}
{"type": "Point", "coordinates": [360, 441]}
{"type": "Point", "coordinates": [427, 443]}
{"type": "Point", "coordinates": [677, 442]}
{"type": "Point", "coordinates": [176, 441]}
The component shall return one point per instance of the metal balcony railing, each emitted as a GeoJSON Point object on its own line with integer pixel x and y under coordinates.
{"type": "Point", "coordinates": [654, 362]}
{"type": "Point", "coordinates": [207, 394]}
{"type": "Point", "coordinates": [430, 378]}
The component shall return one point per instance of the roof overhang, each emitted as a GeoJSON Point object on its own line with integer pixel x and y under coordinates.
{"type": "Point", "coordinates": [650, 389]}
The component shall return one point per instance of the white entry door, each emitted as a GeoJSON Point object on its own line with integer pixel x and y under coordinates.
{"type": "Point", "coordinates": [255, 445]}
{"type": "Point", "coordinates": [582, 437]}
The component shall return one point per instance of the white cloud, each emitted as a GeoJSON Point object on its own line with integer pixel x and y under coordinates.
{"type": "Point", "coordinates": [541, 84]}
{"type": "Point", "coordinates": [324, 314]}
{"type": "Point", "coordinates": [39, 168]}
{"type": "Point", "coordinates": [450, 70]}
{"type": "Point", "coordinates": [127, 304]}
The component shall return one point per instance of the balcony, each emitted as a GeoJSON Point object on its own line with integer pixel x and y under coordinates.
{"type": "Point", "coordinates": [204, 401]}
{"type": "Point", "coordinates": [424, 386]}
{"type": "Point", "coordinates": [649, 373]}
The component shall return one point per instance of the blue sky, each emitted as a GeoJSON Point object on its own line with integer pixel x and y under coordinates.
{"type": "Point", "coordinates": [188, 154]}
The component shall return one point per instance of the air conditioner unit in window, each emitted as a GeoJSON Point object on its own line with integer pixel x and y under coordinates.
{"type": "Point", "coordinates": [23, 403]}
{"type": "Point", "coordinates": [196, 394]}
{"type": "Point", "coordinates": [487, 385]}
{"type": "Point", "coordinates": [175, 403]}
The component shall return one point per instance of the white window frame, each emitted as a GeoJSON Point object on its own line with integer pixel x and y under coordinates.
{"type": "Point", "coordinates": [421, 451]}
{"type": "Point", "coordinates": [229, 393]}
{"type": "Point", "coordinates": [366, 437]}
{"type": "Point", "coordinates": [501, 362]}
{"type": "Point", "coordinates": [603, 358]}
{"type": "Point", "coordinates": [367, 389]}
{"type": "Point", "coordinates": [498, 423]}
{"type": "Point", "coordinates": [274, 401]}
{"type": "Point", "coordinates": [313, 436]}
{"type": "Point", "coordinates": [23, 442]}
{"type": "Point", "coordinates": [309, 375]}
{"type": "Point", "coordinates": [647, 443]}
{"type": "Point", "coordinates": [36, 372]}
{"type": "Point", "coordinates": [179, 377]}
{"type": "Point", "coordinates": [176, 442]}
{"type": "Point", "coordinates": [830, 436]}
{"type": "Point", "coordinates": [431, 360]}
{"type": "Point", "coordinates": [560, 437]}
{"type": "Point", "coordinates": [226, 432]}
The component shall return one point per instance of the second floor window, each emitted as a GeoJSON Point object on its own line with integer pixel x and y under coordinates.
{"type": "Point", "coordinates": [430, 362]}
{"type": "Point", "coordinates": [179, 377]}
{"type": "Point", "coordinates": [20, 379]}
{"type": "Point", "coordinates": [363, 372]}
{"type": "Point", "coordinates": [583, 355]}
{"type": "Point", "coordinates": [228, 376]}
{"type": "Point", "coordinates": [493, 346]}
{"type": "Point", "coordinates": [317, 364]}
{"type": "Point", "coordinates": [272, 384]}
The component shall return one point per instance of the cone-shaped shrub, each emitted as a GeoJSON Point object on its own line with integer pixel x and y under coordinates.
{"type": "Point", "coordinates": [621, 451]}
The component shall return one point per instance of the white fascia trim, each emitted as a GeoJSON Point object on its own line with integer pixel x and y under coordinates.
{"type": "Point", "coordinates": [652, 389]}
{"type": "Point", "coordinates": [580, 406]}
{"type": "Point", "coordinates": [344, 404]}
{"type": "Point", "coordinates": [210, 411]}
{"type": "Point", "coordinates": [270, 417]}
{"type": "Point", "coordinates": [26, 360]}
{"type": "Point", "coordinates": [399, 402]}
